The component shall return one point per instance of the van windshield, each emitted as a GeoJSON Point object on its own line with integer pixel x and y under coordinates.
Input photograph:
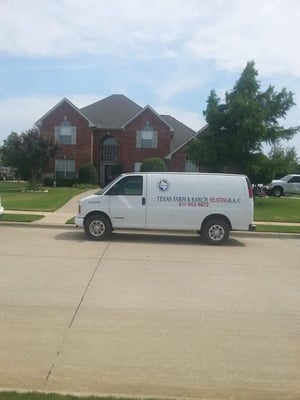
{"type": "Point", "coordinates": [101, 191]}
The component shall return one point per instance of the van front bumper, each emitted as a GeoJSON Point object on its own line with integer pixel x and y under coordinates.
{"type": "Point", "coordinates": [79, 221]}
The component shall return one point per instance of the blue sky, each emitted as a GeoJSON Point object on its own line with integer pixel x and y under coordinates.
{"type": "Point", "coordinates": [168, 54]}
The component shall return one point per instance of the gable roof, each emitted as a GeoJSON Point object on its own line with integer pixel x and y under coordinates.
{"type": "Point", "coordinates": [112, 112]}
{"type": "Point", "coordinates": [182, 133]}
{"type": "Point", "coordinates": [154, 112]}
{"type": "Point", "coordinates": [189, 136]}
{"type": "Point", "coordinates": [117, 111]}
{"type": "Point", "coordinates": [64, 100]}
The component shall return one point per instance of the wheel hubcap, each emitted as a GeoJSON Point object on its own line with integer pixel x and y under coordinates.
{"type": "Point", "coordinates": [97, 228]}
{"type": "Point", "coordinates": [216, 232]}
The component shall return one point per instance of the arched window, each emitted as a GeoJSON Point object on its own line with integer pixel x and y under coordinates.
{"type": "Point", "coordinates": [109, 149]}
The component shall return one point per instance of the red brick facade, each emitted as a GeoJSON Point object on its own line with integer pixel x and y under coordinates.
{"type": "Point", "coordinates": [88, 147]}
{"type": "Point", "coordinates": [81, 151]}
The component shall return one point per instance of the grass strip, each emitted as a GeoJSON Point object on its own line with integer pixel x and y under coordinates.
{"type": "Point", "coordinates": [277, 228]}
{"type": "Point", "coordinates": [20, 217]}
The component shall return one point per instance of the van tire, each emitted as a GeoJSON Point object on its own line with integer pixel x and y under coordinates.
{"type": "Point", "coordinates": [97, 227]}
{"type": "Point", "coordinates": [215, 231]}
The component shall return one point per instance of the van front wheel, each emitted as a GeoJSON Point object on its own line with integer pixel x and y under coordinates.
{"type": "Point", "coordinates": [215, 231]}
{"type": "Point", "coordinates": [97, 227]}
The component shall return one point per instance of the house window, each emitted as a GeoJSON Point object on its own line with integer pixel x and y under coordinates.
{"type": "Point", "coordinates": [146, 138]}
{"type": "Point", "coordinates": [190, 166]}
{"type": "Point", "coordinates": [65, 169]}
{"type": "Point", "coordinates": [109, 149]}
{"type": "Point", "coordinates": [65, 133]}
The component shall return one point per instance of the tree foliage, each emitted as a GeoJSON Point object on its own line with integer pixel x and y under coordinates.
{"type": "Point", "coordinates": [283, 161]}
{"type": "Point", "coordinates": [239, 126]}
{"type": "Point", "coordinates": [29, 152]}
{"type": "Point", "coordinates": [153, 165]}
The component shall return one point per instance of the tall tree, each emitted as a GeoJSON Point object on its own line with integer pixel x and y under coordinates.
{"type": "Point", "coordinates": [239, 126]}
{"type": "Point", "coordinates": [283, 161]}
{"type": "Point", "coordinates": [29, 152]}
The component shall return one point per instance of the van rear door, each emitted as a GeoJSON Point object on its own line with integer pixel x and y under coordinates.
{"type": "Point", "coordinates": [127, 202]}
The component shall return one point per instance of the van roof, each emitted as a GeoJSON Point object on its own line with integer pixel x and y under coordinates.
{"type": "Point", "coordinates": [182, 173]}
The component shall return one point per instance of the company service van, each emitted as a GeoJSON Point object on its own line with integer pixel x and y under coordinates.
{"type": "Point", "coordinates": [210, 204]}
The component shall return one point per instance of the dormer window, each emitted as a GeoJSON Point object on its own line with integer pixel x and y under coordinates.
{"type": "Point", "coordinates": [65, 133]}
{"type": "Point", "coordinates": [146, 138]}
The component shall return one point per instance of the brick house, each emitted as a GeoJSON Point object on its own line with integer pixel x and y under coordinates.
{"type": "Point", "coordinates": [114, 133]}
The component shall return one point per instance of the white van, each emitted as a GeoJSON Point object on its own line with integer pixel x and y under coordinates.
{"type": "Point", "coordinates": [210, 204]}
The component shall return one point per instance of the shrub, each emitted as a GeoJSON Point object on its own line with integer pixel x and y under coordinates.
{"type": "Point", "coordinates": [153, 165]}
{"type": "Point", "coordinates": [61, 182]}
{"type": "Point", "coordinates": [87, 174]}
{"type": "Point", "coordinates": [48, 181]}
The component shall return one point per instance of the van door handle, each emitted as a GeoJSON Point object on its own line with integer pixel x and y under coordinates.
{"type": "Point", "coordinates": [143, 201]}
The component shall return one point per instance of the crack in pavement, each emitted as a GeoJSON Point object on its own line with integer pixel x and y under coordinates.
{"type": "Point", "coordinates": [74, 316]}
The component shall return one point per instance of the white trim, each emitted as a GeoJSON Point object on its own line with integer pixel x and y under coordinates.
{"type": "Point", "coordinates": [40, 121]}
{"type": "Point", "coordinates": [154, 112]}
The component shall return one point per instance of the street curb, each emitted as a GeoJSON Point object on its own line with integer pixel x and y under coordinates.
{"type": "Point", "coordinates": [36, 225]}
{"type": "Point", "coordinates": [246, 234]}
{"type": "Point", "coordinates": [265, 235]}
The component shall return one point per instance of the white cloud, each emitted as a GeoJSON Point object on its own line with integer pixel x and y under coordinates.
{"type": "Point", "coordinates": [66, 27]}
{"type": "Point", "coordinates": [228, 33]}
{"type": "Point", "coordinates": [239, 31]}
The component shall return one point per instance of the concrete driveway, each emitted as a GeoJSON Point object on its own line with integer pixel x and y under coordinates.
{"type": "Point", "coordinates": [149, 315]}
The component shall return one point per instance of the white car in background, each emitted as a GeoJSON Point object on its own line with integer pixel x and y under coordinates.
{"type": "Point", "coordinates": [289, 184]}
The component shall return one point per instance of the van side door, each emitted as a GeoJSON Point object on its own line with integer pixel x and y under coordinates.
{"type": "Point", "coordinates": [127, 202]}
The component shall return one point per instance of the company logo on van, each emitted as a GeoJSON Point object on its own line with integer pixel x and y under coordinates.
{"type": "Point", "coordinates": [163, 185]}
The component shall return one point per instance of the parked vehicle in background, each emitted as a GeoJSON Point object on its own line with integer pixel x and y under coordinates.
{"type": "Point", "coordinates": [210, 204]}
{"type": "Point", "coordinates": [7, 174]}
{"type": "Point", "coordinates": [289, 184]}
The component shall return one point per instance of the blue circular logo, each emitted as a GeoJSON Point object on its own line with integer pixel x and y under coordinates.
{"type": "Point", "coordinates": [163, 185]}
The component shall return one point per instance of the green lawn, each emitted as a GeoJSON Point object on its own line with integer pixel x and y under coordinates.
{"type": "Point", "coordinates": [277, 228]}
{"type": "Point", "coordinates": [15, 196]}
{"type": "Point", "coordinates": [272, 209]}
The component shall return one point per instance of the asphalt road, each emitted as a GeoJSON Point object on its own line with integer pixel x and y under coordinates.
{"type": "Point", "coordinates": [149, 315]}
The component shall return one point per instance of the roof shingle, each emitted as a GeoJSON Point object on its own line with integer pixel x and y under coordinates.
{"type": "Point", "coordinates": [112, 112]}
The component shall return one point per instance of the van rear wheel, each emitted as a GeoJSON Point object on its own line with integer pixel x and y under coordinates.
{"type": "Point", "coordinates": [215, 231]}
{"type": "Point", "coordinates": [97, 227]}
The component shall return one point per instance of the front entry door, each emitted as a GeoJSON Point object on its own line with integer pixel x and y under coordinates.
{"type": "Point", "coordinates": [108, 174]}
